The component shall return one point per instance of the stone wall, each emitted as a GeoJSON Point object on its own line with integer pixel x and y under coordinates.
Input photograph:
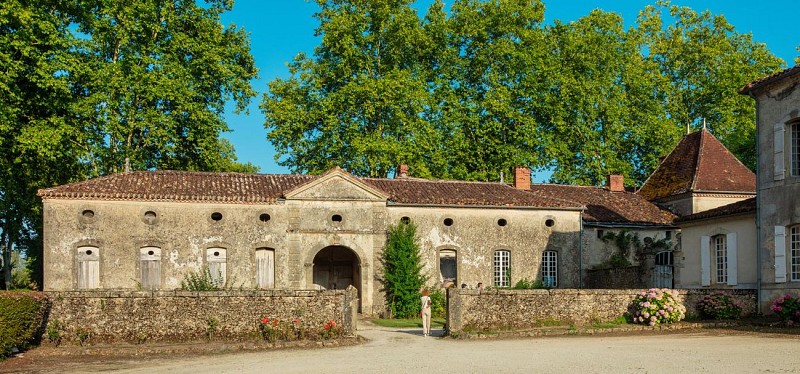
{"type": "Point", "coordinates": [615, 278]}
{"type": "Point", "coordinates": [473, 310]}
{"type": "Point", "coordinates": [137, 317]}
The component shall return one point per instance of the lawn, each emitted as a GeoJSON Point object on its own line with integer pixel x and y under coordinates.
{"type": "Point", "coordinates": [407, 323]}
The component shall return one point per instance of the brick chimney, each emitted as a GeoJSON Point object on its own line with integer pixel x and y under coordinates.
{"type": "Point", "coordinates": [522, 178]}
{"type": "Point", "coordinates": [616, 183]}
{"type": "Point", "coordinates": [402, 171]}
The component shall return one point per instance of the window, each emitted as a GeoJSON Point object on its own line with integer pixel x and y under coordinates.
{"type": "Point", "coordinates": [502, 261]}
{"type": "Point", "coordinates": [447, 266]}
{"type": "Point", "coordinates": [265, 267]}
{"type": "Point", "coordinates": [217, 265]}
{"type": "Point", "coordinates": [668, 234]}
{"type": "Point", "coordinates": [550, 269]}
{"type": "Point", "coordinates": [150, 268]}
{"type": "Point", "coordinates": [720, 243]}
{"type": "Point", "coordinates": [88, 267]}
{"type": "Point", "coordinates": [795, 149]}
{"type": "Point", "coordinates": [794, 245]}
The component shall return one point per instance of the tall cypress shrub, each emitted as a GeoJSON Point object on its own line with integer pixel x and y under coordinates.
{"type": "Point", "coordinates": [402, 271]}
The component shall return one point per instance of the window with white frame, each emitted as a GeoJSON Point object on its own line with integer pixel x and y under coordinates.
{"type": "Point", "coordinates": [794, 244]}
{"type": "Point", "coordinates": [720, 243]}
{"type": "Point", "coordinates": [550, 269]}
{"type": "Point", "coordinates": [502, 261]}
{"type": "Point", "coordinates": [794, 155]}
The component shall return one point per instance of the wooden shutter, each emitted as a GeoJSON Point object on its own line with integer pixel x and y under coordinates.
{"type": "Point", "coordinates": [705, 261]}
{"type": "Point", "coordinates": [779, 158]}
{"type": "Point", "coordinates": [732, 259]}
{"type": "Point", "coordinates": [150, 268]}
{"type": "Point", "coordinates": [217, 259]}
{"type": "Point", "coordinates": [780, 254]}
{"type": "Point", "coordinates": [265, 267]}
{"type": "Point", "coordinates": [88, 259]}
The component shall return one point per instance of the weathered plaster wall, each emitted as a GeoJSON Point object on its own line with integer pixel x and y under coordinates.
{"type": "Point", "coordinates": [778, 203]}
{"type": "Point", "coordinates": [475, 235]}
{"type": "Point", "coordinates": [707, 202]}
{"type": "Point", "coordinates": [472, 310]}
{"type": "Point", "coordinates": [130, 316]}
{"type": "Point", "coordinates": [687, 261]}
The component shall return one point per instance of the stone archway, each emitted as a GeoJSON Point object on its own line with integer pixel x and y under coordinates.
{"type": "Point", "coordinates": [337, 267]}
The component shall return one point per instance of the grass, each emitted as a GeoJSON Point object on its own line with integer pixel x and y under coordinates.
{"type": "Point", "coordinates": [407, 322]}
{"type": "Point", "coordinates": [619, 321]}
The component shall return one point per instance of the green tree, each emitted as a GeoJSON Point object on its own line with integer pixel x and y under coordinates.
{"type": "Point", "coordinates": [402, 267]}
{"type": "Point", "coordinates": [152, 80]}
{"type": "Point", "coordinates": [706, 63]}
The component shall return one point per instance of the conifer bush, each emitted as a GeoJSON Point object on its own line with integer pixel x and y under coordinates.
{"type": "Point", "coordinates": [402, 271]}
{"type": "Point", "coordinates": [21, 317]}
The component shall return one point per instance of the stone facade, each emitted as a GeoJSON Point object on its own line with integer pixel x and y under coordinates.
{"type": "Point", "coordinates": [472, 310]}
{"type": "Point", "coordinates": [168, 316]}
{"type": "Point", "coordinates": [326, 233]}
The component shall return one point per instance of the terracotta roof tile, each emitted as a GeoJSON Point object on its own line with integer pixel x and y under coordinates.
{"type": "Point", "coordinates": [604, 206]}
{"type": "Point", "coordinates": [240, 188]}
{"type": "Point", "coordinates": [747, 206]}
{"type": "Point", "coordinates": [761, 82]}
{"type": "Point", "coordinates": [698, 163]}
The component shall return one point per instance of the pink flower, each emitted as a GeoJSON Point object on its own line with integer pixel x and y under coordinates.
{"type": "Point", "coordinates": [790, 322]}
{"type": "Point", "coordinates": [777, 308]}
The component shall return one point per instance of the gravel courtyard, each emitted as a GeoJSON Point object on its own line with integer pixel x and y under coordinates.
{"type": "Point", "coordinates": [406, 351]}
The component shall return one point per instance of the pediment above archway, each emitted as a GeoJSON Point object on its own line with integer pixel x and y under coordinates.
{"type": "Point", "coordinates": [336, 184]}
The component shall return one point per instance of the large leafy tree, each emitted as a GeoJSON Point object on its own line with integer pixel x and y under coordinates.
{"type": "Point", "coordinates": [153, 78]}
{"type": "Point", "coordinates": [490, 87]}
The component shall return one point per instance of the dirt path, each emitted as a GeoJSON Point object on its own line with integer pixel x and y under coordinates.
{"type": "Point", "coordinates": [406, 351]}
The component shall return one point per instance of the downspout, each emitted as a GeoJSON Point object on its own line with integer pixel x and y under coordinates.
{"type": "Point", "coordinates": [580, 251]}
{"type": "Point", "coordinates": [759, 260]}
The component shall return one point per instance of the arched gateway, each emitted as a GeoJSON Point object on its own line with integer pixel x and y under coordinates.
{"type": "Point", "coordinates": [337, 267]}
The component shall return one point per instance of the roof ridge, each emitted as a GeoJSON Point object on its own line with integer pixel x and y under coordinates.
{"type": "Point", "coordinates": [700, 148]}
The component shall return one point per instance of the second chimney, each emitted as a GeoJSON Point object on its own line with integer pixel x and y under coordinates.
{"type": "Point", "coordinates": [403, 171]}
{"type": "Point", "coordinates": [522, 178]}
{"type": "Point", "coordinates": [616, 183]}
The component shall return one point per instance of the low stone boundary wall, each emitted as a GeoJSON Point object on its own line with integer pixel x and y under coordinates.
{"type": "Point", "coordinates": [617, 278]}
{"type": "Point", "coordinates": [474, 310]}
{"type": "Point", "coordinates": [168, 316]}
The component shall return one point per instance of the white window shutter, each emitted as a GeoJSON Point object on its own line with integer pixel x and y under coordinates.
{"type": "Point", "coordinates": [705, 261]}
{"type": "Point", "coordinates": [780, 168]}
{"type": "Point", "coordinates": [732, 259]}
{"type": "Point", "coordinates": [780, 254]}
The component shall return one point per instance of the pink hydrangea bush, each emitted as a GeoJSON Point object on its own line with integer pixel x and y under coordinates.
{"type": "Point", "coordinates": [657, 306]}
{"type": "Point", "coordinates": [788, 308]}
{"type": "Point", "coordinates": [719, 305]}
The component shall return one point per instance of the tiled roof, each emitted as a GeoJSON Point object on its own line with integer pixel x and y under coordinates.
{"type": "Point", "coordinates": [605, 206]}
{"type": "Point", "coordinates": [739, 207]}
{"type": "Point", "coordinates": [441, 192]}
{"type": "Point", "coordinates": [184, 186]}
{"type": "Point", "coordinates": [266, 189]}
{"type": "Point", "coordinates": [698, 163]}
{"type": "Point", "coordinates": [761, 82]}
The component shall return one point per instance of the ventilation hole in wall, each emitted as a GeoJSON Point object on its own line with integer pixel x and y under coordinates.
{"type": "Point", "coordinates": [87, 213]}
{"type": "Point", "coordinates": [150, 253]}
{"type": "Point", "coordinates": [88, 251]}
{"type": "Point", "coordinates": [549, 222]}
{"type": "Point", "coordinates": [264, 217]}
{"type": "Point", "coordinates": [336, 218]}
{"type": "Point", "coordinates": [502, 222]}
{"type": "Point", "coordinates": [448, 222]}
{"type": "Point", "coordinates": [216, 253]}
{"type": "Point", "coordinates": [405, 220]}
{"type": "Point", "coordinates": [216, 216]}
{"type": "Point", "coordinates": [150, 214]}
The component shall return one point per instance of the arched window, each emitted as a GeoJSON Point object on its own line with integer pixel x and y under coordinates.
{"type": "Point", "coordinates": [150, 268]}
{"type": "Point", "coordinates": [88, 260]}
{"type": "Point", "coordinates": [550, 269]}
{"type": "Point", "coordinates": [502, 261]}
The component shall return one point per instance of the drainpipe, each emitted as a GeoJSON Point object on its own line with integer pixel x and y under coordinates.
{"type": "Point", "coordinates": [759, 261]}
{"type": "Point", "coordinates": [580, 251]}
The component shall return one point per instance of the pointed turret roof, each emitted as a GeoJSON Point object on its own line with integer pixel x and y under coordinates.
{"type": "Point", "coordinates": [699, 163]}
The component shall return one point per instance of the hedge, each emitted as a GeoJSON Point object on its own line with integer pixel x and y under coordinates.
{"type": "Point", "coordinates": [22, 317]}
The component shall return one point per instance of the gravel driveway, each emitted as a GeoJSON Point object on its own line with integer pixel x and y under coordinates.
{"type": "Point", "coordinates": [406, 351]}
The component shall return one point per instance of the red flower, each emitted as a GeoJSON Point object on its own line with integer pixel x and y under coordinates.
{"type": "Point", "coordinates": [265, 320]}
{"type": "Point", "coordinates": [295, 320]}
{"type": "Point", "coordinates": [275, 322]}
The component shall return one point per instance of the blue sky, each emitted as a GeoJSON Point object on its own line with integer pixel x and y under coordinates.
{"type": "Point", "coordinates": [280, 29]}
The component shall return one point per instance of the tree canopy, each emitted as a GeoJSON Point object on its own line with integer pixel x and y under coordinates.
{"type": "Point", "coordinates": [474, 90]}
{"type": "Point", "coordinates": [97, 86]}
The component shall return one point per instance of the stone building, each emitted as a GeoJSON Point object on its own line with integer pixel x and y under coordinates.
{"type": "Point", "coordinates": [150, 229]}
{"type": "Point", "coordinates": [777, 207]}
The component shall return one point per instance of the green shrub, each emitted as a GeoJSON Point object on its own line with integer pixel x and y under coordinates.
{"type": "Point", "coordinates": [402, 271]}
{"type": "Point", "coordinates": [525, 284]}
{"type": "Point", "coordinates": [203, 281]}
{"type": "Point", "coordinates": [657, 306]}
{"type": "Point", "coordinates": [788, 308]}
{"type": "Point", "coordinates": [719, 305]}
{"type": "Point", "coordinates": [438, 303]}
{"type": "Point", "coordinates": [21, 318]}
